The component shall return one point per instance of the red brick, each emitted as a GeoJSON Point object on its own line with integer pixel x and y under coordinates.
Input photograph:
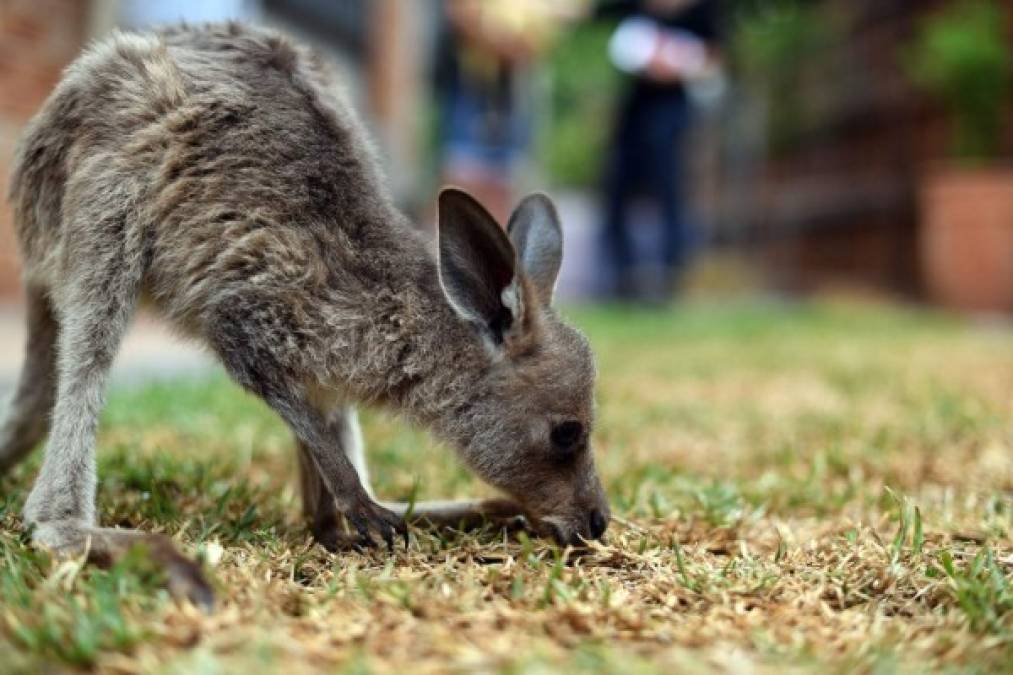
{"type": "Point", "coordinates": [38, 38]}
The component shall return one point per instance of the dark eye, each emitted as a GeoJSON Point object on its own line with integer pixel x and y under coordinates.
{"type": "Point", "coordinates": [566, 436]}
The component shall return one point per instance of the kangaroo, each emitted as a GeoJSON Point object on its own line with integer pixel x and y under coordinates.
{"type": "Point", "coordinates": [216, 172]}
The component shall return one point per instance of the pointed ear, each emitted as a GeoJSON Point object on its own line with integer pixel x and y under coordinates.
{"type": "Point", "coordinates": [477, 264]}
{"type": "Point", "coordinates": [536, 234]}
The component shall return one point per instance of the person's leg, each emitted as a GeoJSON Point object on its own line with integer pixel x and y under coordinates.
{"type": "Point", "coordinates": [479, 155]}
{"type": "Point", "coordinates": [618, 187]}
{"type": "Point", "coordinates": [667, 126]}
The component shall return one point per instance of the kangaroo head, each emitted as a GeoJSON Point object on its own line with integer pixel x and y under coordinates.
{"type": "Point", "coordinates": [527, 429]}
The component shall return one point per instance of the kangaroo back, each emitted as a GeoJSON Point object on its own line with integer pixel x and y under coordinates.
{"type": "Point", "coordinates": [206, 133]}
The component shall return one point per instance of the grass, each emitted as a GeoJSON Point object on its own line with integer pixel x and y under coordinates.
{"type": "Point", "coordinates": [797, 488]}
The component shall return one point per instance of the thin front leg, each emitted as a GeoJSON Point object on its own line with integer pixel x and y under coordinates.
{"type": "Point", "coordinates": [321, 512]}
{"type": "Point", "coordinates": [242, 335]}
{"type": "Point", "coordinates": [319, 506]}
{"type": "Point", "coordinates": [336, 471]}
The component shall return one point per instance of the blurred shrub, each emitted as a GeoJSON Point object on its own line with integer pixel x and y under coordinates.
{"type": "Point", "coordinates": [583, 87]}
{"type": "Point", "coordinates": [771, 43]}
{"type": "Point", "coordinates": [962, 56]}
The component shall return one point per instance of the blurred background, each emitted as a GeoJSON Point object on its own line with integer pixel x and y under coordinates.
{"type": "Point", "coordinates": [694, 147]}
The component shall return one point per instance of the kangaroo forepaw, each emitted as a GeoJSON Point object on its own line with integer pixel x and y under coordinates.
{"type": "Point", "coordinates": [334, 540]}
{"type": "Point", "coordinates": [368, 518]}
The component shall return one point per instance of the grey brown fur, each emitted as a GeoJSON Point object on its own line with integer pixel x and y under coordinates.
{"type": "Point", "coordinates": [213, 171]}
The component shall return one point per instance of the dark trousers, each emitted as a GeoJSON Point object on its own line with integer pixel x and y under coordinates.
{"type": "Point", "coordinates": [646, 158]}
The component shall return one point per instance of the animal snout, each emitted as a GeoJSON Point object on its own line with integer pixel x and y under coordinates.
{"type": "Point", "coordinates": [597, 522]}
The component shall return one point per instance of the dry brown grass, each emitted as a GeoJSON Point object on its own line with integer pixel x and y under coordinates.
{"type": "Point", "coordinates": [797, 489]}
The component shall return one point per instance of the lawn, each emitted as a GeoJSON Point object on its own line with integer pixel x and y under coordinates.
{"type": "Point", "coordinates": [798, 488]}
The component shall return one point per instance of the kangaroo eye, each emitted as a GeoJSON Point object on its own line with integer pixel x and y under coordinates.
{"type": "Point", "coordinates": [566, 435]}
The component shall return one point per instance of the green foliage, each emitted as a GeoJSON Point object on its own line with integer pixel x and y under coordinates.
{"type": "Point", "coordinates": [963, 57]}
{"type": "Point", "coordinates": [73, 613]}
{"type": "Point", "coordinates": [981, 588]}
{"type": "Point", "coordinates": [769, 37]}
{"type": "Point", "coordinates": [771, 45]}
{"type": "Point", "coordinates": [583, 87]}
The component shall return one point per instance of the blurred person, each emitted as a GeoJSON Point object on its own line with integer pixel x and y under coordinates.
{"type": "Point", "coordinates": [483, 79]}
{"type": "Point", "coordinates": [667, 48]}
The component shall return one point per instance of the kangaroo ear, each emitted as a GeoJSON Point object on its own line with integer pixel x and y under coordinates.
{"type": "Point", "coordinates": [536, 234]}
{"type": "Point", "coordinates": [477, 264]}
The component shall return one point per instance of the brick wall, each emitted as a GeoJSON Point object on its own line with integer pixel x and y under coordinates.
{"type": "Point", "coordinates": [37, 39]}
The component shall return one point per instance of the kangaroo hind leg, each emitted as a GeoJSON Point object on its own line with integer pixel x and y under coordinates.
{"type": "Point", "coordinates": [27, 419]}
{"type": "Point", "coordinates": [93, 306]}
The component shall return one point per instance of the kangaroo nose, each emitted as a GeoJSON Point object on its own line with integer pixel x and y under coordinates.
{"type": "Point", "coordinates": [598, 523]}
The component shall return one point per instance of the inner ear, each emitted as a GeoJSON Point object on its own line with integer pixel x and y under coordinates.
{"type": "Point", "coordinates": [538, 238]}
{"type": "Point", "coordinates": [477, 264]}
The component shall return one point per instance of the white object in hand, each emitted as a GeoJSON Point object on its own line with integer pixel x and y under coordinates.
{"type": "Point", "coordinates": [639, 40]}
